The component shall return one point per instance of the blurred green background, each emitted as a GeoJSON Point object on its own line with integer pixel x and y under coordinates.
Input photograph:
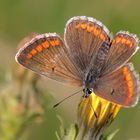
{"type": "Point", "coordinates": [18, 18]}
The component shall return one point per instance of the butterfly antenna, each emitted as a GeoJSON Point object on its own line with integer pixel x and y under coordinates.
{"type": "Point", "coordinates": [66, 98]}
{"type": "Point", "coordinates": [95, 114]}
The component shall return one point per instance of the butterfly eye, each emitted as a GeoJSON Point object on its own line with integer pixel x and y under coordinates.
{"type": "Point", "coordinates": [84, 90]}
{"type": "Point", "coordinates": [90, 91]}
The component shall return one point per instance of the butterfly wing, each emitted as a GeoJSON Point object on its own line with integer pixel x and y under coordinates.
{"type": "Point", "coordinates": [123, 47]}
{"type": "Point", "coordinates": [121, 87]}
{"type": "Point", "coordinates": [84, 36]}
{"type": "Point", "coordinates": [46, 55]}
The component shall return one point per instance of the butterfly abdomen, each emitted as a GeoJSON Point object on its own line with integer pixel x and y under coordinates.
{"type": "Point", "coordinates": [102, 53]}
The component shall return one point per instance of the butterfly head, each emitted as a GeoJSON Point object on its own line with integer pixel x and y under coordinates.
{"type": "Point", "coordinates": [87, 92]}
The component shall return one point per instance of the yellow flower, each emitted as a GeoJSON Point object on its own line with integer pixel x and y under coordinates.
{"type": "Point", "coordinates": [94, 116]}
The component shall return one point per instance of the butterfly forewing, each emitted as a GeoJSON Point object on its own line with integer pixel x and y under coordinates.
{"type": "Point", "coordinates": [84, 36]}
{"type": "Point", "coordinates": [121, 87]}
{"type": "Point", "coordinates": [46, 55]}
{"type": "Point", "coordinates": [123, 47]}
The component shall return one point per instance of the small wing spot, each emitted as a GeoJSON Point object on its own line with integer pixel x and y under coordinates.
{"type": "Point", "coordinates": [90, 28]}
{"type": "Point", "coordinates": [130, 89]}
{"type": "Point", "coordinates": [130, 45]}
{"type": "Point", "coordinates": [125, 70]}
{"type": "Point", "coordinates": [112, 92]}
{"type": "Point", "coordinates": [128, 42]}
{"type": "Point", "coordinates": [113, 41]}
{"type": "Point", "coordinates": [83, 26]}
{"type": "Point", "coordinates": [45, 44]}
{"type": "Point", "coordinates": [33, 51]}
{"type": "Point", "coordinates": [123, 40]}
{"type": "Point", "coordinates": [117, 40]}
{"type": "Point", "coordinates": [53, 68]}
{"type": "Point", "coordinates": [130, 83]}
{"type": "Point", "coordinates": [25, 63]}
{"type": "Point", "coordinates": [52, 43]}
{"type": "Point", "coordinates": [128, 77]}
{"type": "Point", "coordinates": [97, 31]}
{"type": "Point", "coordinates": [29, 56]}
{"type": "Point", "coordinates": [102, 37]}
{"type": "Point", "coordinates": [39, 48]}
{"type": "Point", "coordinates": [57, 42]}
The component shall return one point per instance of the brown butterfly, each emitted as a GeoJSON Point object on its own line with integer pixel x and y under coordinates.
{"type": "Point", "coordinates": [88, 57]}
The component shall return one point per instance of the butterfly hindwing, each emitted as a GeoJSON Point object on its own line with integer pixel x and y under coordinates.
{"type": "Point", "coordinates": [121, 87]}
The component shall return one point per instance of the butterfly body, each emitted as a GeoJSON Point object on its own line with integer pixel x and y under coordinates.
{"type": "Point", "coordinates": [88, 57]}
{"type": "Point", "coordinates": [95, 73]}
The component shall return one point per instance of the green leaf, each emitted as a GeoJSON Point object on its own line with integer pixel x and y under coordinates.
{"type": "Point", "coordinates": [111, 135]}
{"type": "Point", "coordinates": [71, 134]}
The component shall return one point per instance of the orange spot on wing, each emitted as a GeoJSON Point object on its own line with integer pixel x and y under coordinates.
{"type": "Point", "coordinates": [83, 26]}
{"type": "Point", "coordinates": [97, 31]}
{"type": "Point", "coordinates": [25, 62]}
{"type": "Point", "coordinates": [118, 39]}
{"type": "Point", "coordinates": [130, 83]}
{"type": "Point", "coordinates": [128, 42]}
{"type": "Point", "coordinates": [29, 56]}
{"type": "Point", "coordinates": [102, 36]}
{"type": "Point", "coordinates": [128, 76]}
{"type": "Point", "coordinates": [45, 44]}
{"type": "Point", "coordinates": [33, 51]}
{"type": "Point", "coordinates": [113, 41]}
{"type": "Point", "coordinates": [123, 40]}
{"type": "Point", "coordinates": [90, 28]}
{"type": "Point", "coordinates": [57, 42]}
{"type": "Point", "coordinates": [39, 48]}
{"type": "Point", "coordinates": [52, 43]}
{"type": "Point", "coordinates": [131, 90]}
{"type": "Point", "coordinates": [131, 45]}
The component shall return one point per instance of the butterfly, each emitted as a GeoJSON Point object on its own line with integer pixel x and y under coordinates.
{"type": "Point", "coordinates": [87, 57]}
